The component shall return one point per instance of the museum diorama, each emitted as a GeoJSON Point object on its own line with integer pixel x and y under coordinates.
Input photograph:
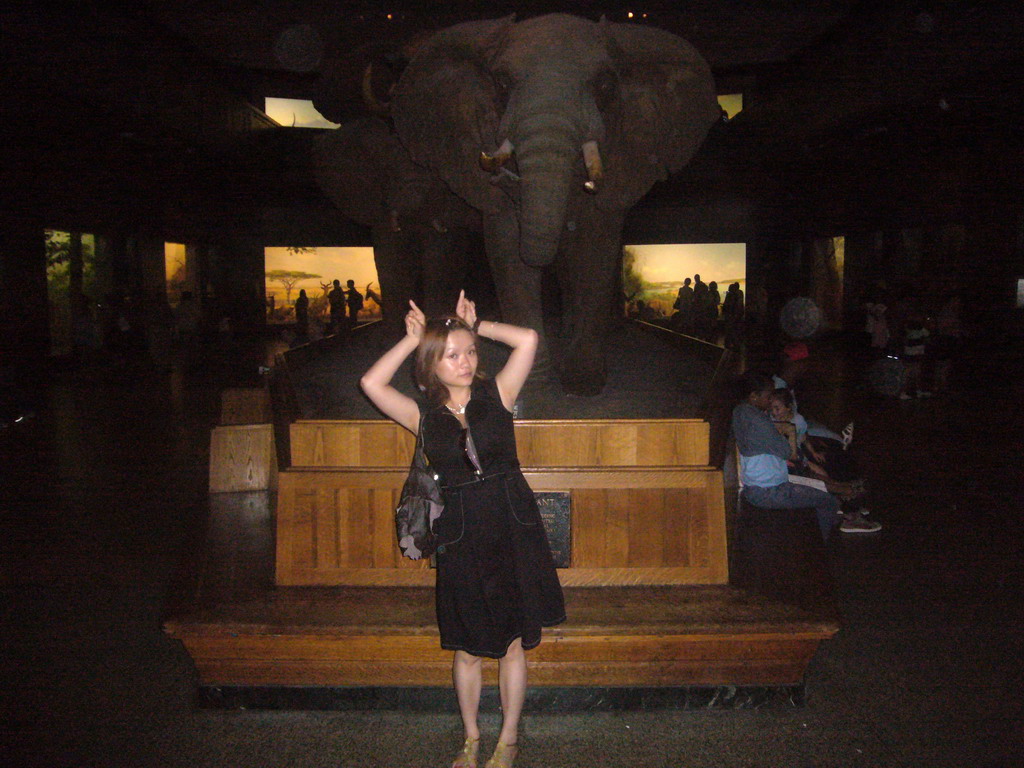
{"type": "Point", "coordinates": [297, 173]}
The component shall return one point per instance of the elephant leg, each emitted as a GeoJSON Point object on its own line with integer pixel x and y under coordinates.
{"type": "Point", "coordinates": [444, 271]}
{"type": "Point", "coordinates": [588, 270]}
{"type": "Point", "coordinates": [518, 286]}
{"type": "Point", "coordinates": [396, 272]}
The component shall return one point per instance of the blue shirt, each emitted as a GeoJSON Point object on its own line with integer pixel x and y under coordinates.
{"type": "Point", "coordinates": [763, 451]}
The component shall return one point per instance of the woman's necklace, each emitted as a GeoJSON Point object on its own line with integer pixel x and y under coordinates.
{"type": "Point", "coordinates": [457, 411]}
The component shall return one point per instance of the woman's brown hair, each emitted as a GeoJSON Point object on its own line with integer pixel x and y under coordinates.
{"type": "Point", "coordinates": [430, 351]}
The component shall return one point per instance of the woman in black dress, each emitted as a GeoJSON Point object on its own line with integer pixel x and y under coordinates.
{"type": "Point", "coordinates": [496, 581]}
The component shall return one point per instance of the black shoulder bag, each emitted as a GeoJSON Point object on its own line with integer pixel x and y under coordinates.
{"type": "Point", "coordinates": [421, 504]}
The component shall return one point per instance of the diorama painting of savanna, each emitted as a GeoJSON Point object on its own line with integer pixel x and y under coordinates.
{"type": "Point", "coordinates": [289, 270]}
{"type": "Point", "coordinates": [653, 274]}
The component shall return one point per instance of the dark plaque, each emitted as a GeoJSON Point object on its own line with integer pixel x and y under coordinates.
{"type": "Point", "coordinates": [554, 511]}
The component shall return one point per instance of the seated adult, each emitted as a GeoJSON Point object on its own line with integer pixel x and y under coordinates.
{"type": "Point", "coordinates": [763, 454]}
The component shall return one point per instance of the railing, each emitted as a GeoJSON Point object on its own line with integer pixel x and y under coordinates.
{"type": "Point", "coordinates": [716, 405]}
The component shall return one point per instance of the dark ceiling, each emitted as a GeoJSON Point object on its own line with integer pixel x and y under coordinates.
{"type": "Point", "coordinates": [731, 34]}
{"type": "Point", "coordinates": [850, 108]}
{"type": "Point", "coordinates": [837, 87]}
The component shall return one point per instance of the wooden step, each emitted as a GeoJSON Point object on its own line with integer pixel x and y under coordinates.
{"type": "Point", "coordinates": [614, 636]}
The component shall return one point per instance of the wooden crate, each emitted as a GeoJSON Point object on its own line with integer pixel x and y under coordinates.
{"type": "Point", "coordinates": [243, 458]}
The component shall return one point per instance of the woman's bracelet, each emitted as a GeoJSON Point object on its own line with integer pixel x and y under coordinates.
{"type": "Point", "coordinates": [476, 325]}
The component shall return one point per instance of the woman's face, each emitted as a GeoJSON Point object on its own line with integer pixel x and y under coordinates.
{"type": "Point", "coordinates": [779, 411]}
{"type": "Point", "coordinates": [457, 365]}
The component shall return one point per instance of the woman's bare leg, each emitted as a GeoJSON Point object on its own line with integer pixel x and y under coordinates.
{"type": "Point", "coordinates": [467, 673]}
{"type": "Point", "coordinates": [512, 682]}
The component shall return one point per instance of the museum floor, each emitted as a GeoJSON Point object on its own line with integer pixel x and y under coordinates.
{"type": "Point", "coordinates": [104, 492]}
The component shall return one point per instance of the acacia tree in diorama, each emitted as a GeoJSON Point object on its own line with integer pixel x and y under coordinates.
{"type": "Point", "coordinates": [632, 281]}
{"type": "Point", "coordinates": [288, 278]}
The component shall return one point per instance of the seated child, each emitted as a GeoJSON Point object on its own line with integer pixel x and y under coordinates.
{"type": "Point", "coordinates": [821, 458]}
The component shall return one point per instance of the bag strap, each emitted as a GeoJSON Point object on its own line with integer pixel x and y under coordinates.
{"type": "Point", "coordinates": [419, 455]}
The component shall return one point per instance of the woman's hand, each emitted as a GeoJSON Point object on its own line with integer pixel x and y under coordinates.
{"type": "Point", "coordinates": [415, 321]}
{"type": "Point", "coordinates": [465, 309]}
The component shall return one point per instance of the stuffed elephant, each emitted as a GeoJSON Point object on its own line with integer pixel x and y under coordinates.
{"type": "Point", "coordinates": [421, 232]}
{"type": "Point", "coordinates": [553, 128]}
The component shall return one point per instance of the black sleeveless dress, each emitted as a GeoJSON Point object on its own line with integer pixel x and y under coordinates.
{"type": "Point", "coordinates": [496, 580]}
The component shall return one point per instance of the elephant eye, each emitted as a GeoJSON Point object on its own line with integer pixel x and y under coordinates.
{"type": "Point", "coordinates": [605, 87]}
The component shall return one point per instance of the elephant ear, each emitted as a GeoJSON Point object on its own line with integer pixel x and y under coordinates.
{"type": "Point", "coordinates": [667, 106]}
{"type": "Point", "coordinates": [445, 105]}
{"type": "Point", "coordinates": [365, 171]}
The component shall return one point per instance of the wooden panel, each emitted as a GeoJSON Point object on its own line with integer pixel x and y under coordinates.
{"type": "Point", "coordinates": [328, 536]}
{"type": "Point", "coordinates": [577, 443]}
{"type": "Point", "coordinates": [644, 530]}
{"type": "Point", "coordinates": [609, 443]}
{"type": "Point", "coordinates": [407, 574]}
{"type": "Point", "coordinates": [336, 527]}
{"type": "Point", "coordinates": [384, 548]}
{"type": "Point", "coordinates": [356, 525]}
{"type": "Point", "coordinates": [350, 444]}
{"type": "Point", "coordinates": [620, 576]}
{"type": "Point", "coordinates": [242, 458]}
{"type": "Point", "coordinates": [675, 525]}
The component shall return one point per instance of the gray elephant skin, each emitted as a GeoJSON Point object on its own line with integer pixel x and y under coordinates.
{"type": "Point", "coordinates": [576, 121]}
{"type": "Point", "coordinates": [421, 232]}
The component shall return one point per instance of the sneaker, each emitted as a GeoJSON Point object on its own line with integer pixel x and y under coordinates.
{"type": "Point", "coordinates": [904, 396]}
{"type": "Point", "coordinates": [847, 437]}
{"type": "Point", "coordinates": [857, 524]}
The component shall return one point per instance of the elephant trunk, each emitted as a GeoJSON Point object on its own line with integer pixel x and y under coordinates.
{"type": "Point", "coordinates": [546, 161]}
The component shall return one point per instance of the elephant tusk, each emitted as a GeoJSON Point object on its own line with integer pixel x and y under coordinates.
{"type": "Point", "coordinates": [375, 105]}
{"type": "Point", "coordinates": [595, 169]}
{"type": "Point", "coordinates": [502, 174]}
{"type": "Point", "coordinates": [491, 163]}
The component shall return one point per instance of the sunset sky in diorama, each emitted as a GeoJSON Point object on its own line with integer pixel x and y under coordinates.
{"type": "Point", "coordinates": [672, 263]}
{"type": "Point", "coordinates": [331, 263]}
{"type": "Point", "coordinates": [295, 113]}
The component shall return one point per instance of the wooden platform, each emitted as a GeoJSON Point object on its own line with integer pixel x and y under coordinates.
{"type": "Point", "coordinates": [242, 630]}
{"type": "Point", "coordinates": [617, 636]}
{"type": "Point", "coordinates": [306, 586]}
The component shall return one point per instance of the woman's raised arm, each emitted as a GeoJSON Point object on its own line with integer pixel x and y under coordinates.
{"type": "Point", "coordinates": [376, 382]}
{"type": "Point", "coordinates": [523, 341]}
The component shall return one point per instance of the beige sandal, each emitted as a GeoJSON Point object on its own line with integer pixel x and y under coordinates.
{"type": "Point", "coordinates": [503, 757]}
{"type": "Point", "coordinates": [467, 757]}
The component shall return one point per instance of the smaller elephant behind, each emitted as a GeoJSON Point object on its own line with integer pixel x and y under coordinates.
{"type": "Point", "coordinates": [422, 233]}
